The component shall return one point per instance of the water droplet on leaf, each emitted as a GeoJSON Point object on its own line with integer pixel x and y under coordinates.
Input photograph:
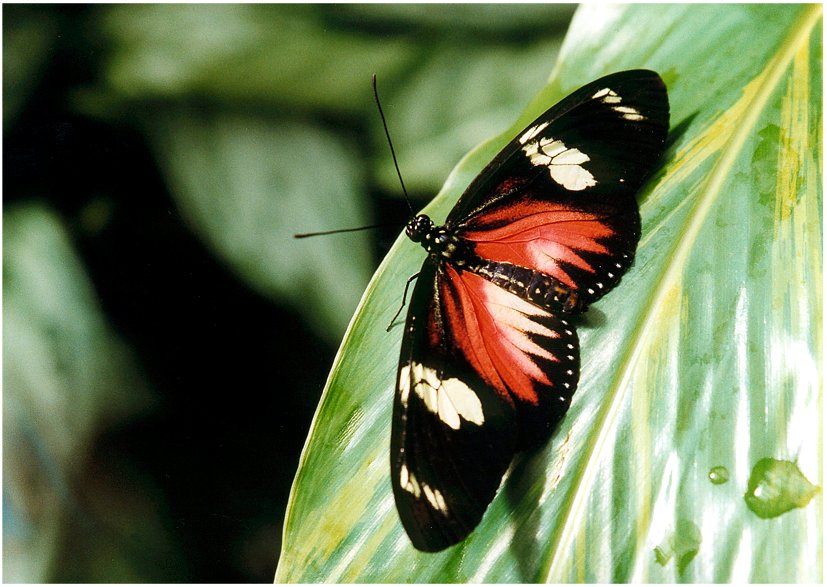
{"type": "Point", "coordinates": [776, 487]}
{"type": "Point", "coordinates": [719, 475]}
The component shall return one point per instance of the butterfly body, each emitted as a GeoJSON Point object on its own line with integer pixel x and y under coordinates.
{"type": "Point", "coordinates": [490, 357]}
{"type": "Point", "coordinates": [444, 246]}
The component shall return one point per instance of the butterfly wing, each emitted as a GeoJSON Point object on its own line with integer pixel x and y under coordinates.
{"type": "Point", "coordinates": [560, 198]}
{"type": "Point", "coordinates": [483, 372]}
{"type": "Point", "coordinates": [481, 375]}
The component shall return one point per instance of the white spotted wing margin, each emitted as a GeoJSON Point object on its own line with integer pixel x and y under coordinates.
{"type": "Point", "coordinates": [464, 406]}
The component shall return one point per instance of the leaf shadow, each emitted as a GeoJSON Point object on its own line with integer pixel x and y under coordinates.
{"type": "Point", "coordinates": [592, 318]}
{"type": "Point", "coordinates": [523, 546]}
{"type": "Point", "coordinates": [679, 129]}
{"type": "Point", "coordinates": [675, 133]}
{"type": "Point", "coordinates": [523, 494]}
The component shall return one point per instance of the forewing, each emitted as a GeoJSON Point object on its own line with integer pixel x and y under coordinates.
{"type": "Point", "coordinates": [560, 198]}
{"type": "Point", "coordinates": [482, 374]}
{"type": "Point", "coordinates": [453, 436]}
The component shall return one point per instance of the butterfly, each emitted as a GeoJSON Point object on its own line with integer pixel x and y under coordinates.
{"type": "Point", "coordinates": [490, 357]}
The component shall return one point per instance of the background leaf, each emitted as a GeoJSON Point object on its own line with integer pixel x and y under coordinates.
{"type": "Point", "coordinates": [231, 53]}
{"type": "Point", "coordinates": [176, 149]}
{"type": "Point", "coordinates": [706, 355]}
{"type": "Point", "coordinates": [25, 44]}
{"type": "Point", "coordinates": [246, 185]}
{"type": "Point", "coordinates": [67, 377]}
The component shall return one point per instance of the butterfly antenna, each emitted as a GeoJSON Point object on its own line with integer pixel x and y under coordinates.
{"type": "Point", "coordinates": [395, 164]}
{"type": "Point", "coordinates": [390, 143]}
{"type": "Point", "coordinates": [337, 231]}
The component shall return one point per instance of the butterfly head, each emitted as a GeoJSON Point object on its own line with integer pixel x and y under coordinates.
{"type": "Point", "coordinates": [419, 227]}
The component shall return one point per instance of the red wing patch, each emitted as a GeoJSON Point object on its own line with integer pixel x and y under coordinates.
{"type": "Point", "coordinates": [517, 348]}
{"type": "Point", "coordinates": [581, 248]}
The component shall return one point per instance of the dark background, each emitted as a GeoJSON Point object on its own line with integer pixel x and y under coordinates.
{"type": "Point", "coordinates": [165, 340]}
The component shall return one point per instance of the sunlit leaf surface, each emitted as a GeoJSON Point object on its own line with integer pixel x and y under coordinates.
{"type": "Point", "coordinates": [707, 355]}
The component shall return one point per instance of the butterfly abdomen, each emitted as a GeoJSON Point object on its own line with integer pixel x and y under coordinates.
{"type": "Point", "coordinates": [532, 286]}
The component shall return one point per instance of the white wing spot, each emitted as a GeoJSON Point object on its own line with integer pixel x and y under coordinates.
{"type": "Point", "coordinates": [443, 507]}
{"type": "Point", "coordinates": [434, 497]}
{"type": "Point", "coordinates": [408, 482]}
{"type": "Point", "coordinates": [404, 384]}
{"type": "Point", "coordinates": [629, 113]}
{"type": "Point", "coordinates": [607, 96]}
{"type": "Point", "coordinates": [565, 164]}
{"type": "Point", "coordinates": [532, 132]}
{"type": "Point", "coordinates": [450, 399]}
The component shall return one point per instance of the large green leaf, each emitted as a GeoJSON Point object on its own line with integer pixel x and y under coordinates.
{"type": "Point", "coordinates": [707, 355]}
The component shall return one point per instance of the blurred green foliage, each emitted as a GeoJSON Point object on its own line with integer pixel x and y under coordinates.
{"type": "Point", "coordinates": [250, 106]}
{"type": "Point", "coordinates": [64, 377]}
{"type": "Point", "coordinates": [262, 124]}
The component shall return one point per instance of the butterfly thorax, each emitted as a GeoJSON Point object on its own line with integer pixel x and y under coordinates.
{"type": "Point", "coordinates": [444, 246]}
{"type": "Point", "coordinates": [440, 243]}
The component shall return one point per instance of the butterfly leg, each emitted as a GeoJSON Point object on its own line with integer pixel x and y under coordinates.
{"type": "Point", "coordinates": [404, 300]}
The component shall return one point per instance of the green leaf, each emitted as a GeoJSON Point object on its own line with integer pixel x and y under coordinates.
{"type": "Point", "coordinates": [707, 354]}
{"type": "Point", "coordinates": [492, 20]}
{"type": "Point", "coordinates": [28, 39]}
